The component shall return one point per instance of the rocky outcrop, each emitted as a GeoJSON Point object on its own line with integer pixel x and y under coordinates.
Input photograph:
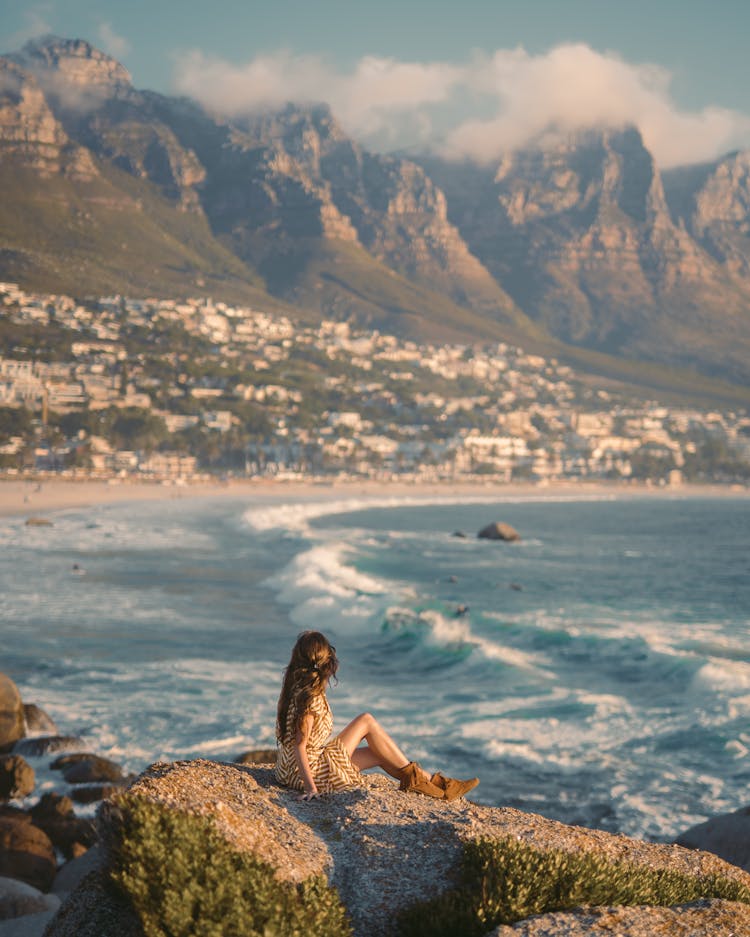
{"type": "Point", "coordinates": [11, 713]}
{"type": "Point", "coordinates": [727, 835]}
{"type": "Point", "coordinates": [54, 814]}
{"type": "Point", "coordinates": [383, 851]}
{"type": "Point", "coordinates": [16, 777]}
{"type": "Point", "coordinates": [26, 852]}
{"type": "Point", "coordinates": [701, 919]}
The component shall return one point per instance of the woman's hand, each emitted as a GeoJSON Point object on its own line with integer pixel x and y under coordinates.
{"type": "Point", "coordinates": [310, 795]}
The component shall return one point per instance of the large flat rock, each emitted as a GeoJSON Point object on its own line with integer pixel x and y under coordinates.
{"type": "Point", "coordinates": [383, 849]}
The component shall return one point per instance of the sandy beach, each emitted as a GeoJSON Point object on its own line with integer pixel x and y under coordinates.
{"type": "Point", "coordinates": [38, 497]}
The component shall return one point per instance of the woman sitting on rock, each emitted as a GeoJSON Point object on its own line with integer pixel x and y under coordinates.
{"type": "Point", "coordinates": [309, 760]}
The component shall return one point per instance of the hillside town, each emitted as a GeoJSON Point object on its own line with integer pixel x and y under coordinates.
{"type": "Point", "coordinates": [176, 389]}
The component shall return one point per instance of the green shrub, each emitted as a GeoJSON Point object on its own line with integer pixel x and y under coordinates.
{"type": "Point", "coordinates": [184, 881]}
{"type": "Point", "coordinates": [503, 881]}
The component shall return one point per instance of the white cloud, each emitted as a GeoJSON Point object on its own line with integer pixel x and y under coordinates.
{"type": "Point", "coordinates": [117, 46]}
{"type": "Point", "coordinates": [477, 109]}
{"type": "Point", "coordinates": [573, 87]}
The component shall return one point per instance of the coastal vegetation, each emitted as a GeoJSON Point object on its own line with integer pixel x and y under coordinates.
{"type": "Point", "coordinates": [508, 880]}
{"type": "Point", "coordinates": [183, 879]}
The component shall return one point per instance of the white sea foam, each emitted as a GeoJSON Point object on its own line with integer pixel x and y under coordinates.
{"type": "Point", "coordinates": [295, 515]}
{"type": "Point", "coordinates": [732, 676]}
{"type": "Point", "coordinates": [107, 528]}
{"type": "Point", "coordinates": [538, 729]}
{"type": "Point", "coordinates": [323, 589]}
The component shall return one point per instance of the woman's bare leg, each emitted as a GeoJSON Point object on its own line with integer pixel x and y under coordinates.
{"type": "Point", "coordinates": [380, 751]}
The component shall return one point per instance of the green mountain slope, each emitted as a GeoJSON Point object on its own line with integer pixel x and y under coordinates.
{"type": "Point", "coordinates": [110, 234]}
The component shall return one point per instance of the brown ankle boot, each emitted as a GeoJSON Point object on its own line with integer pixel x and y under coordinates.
{"type": "Point", "coordinates": [412, 779]}
{"type": "Point", "coordinates": [451, 787]}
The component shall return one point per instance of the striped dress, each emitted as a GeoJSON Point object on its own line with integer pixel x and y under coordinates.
{"type": "Point", "coordinates": [330, 763]}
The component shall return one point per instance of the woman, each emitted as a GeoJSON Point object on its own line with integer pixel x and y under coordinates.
{"type": "Point", "coordinates": [308, 761]}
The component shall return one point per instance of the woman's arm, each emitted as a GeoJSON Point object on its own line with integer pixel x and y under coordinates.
{"type": "Point", "coordinates": [300, 753]}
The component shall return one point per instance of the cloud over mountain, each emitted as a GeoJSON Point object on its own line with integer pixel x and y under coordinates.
{"type": "Point", "coordinates": [480, 108]}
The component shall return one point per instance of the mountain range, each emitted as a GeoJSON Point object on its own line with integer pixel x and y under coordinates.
{"type": "Point", "coordinates": [579, 246]}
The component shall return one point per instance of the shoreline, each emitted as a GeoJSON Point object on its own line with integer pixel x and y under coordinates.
{"type": "Point", "coordinates": [35, 497]}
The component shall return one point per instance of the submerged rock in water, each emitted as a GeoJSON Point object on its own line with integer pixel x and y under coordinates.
{"type": "Point", "coordinates": [37, 720]}
{"type": "Point", "coordinates": [82, 768]}
{"type": "Point", "coordinates": [499, 531]}
{"type": "Point", "coordinates": [47, 745]}
{"type": "Point", "coordinates": [258, 756]}
{"type": "Point", "coordinates": [385, 853]}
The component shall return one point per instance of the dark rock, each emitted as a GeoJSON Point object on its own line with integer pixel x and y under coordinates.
{"type": "Point", "coordinates": [37, 720]}
{"type": "Point", "coordinates": [18, 899]}
{"type": "Point", "coordinates": [16, 777]}
{"type": "Point", "coordinates": [726, 835]}
{"type": "Point", "coordinates": [459, 533]}
{"type": "Point", "coordinates": [91, 793]}
{"type": "Point", "coordinates": [15, 813]}
{"type": "Point", "coordinates": [26, 853]}
{"type": "Point", "coordinates": [38, 522]}
{"type": "Point", "coordinates": [95, 909]}
{"type": "Point", "coordinates": [52, 806]}
{"type": "Point", "coordinates": [70, 834]}
{"type": "Point", "coordinates": [47, 745]}
{"type": "Point", "coordinates": [258, 756]}
{"type": "Point", "coordinates": [86, 769]}
{"type": "Point", "coordinates": [499, 531]}
{"type": "Point", "coordinates": [516, 587]}
{"type": "Point", "coordinates": [11, 714]}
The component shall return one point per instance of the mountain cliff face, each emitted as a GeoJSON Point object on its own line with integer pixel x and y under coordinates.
{"type": "Point", "coordinates": [579, 241]}
{"type": "Point", "coordinates": [582, 236]}
{"type": "Point", "coordinates": [712, 202]}
{"type": "Point", "coordinates": [29, 130]}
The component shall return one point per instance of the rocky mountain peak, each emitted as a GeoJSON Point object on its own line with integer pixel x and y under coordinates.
{"type": "Point", "coordinates": [74, 75]}
{"type": "Point", "coordinates": [712, 202]}
{"type": "Point", "coordinates": [591, 173]}
{"type": "Point", "coordinates": [30, 132]}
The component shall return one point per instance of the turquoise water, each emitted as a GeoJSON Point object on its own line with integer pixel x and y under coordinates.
{"type": "Point", "coordinates": [597, 672]}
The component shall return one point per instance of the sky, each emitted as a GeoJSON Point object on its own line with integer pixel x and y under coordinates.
{"type": "Point", "coordinates": [469, 78]}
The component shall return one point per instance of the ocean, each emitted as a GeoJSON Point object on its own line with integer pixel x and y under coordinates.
{"type": "Point", "coordinates": [596, 672]}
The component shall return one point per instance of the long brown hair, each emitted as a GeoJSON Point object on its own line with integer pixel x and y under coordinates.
{"type": "Point", "coordinates": [312, 665]}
